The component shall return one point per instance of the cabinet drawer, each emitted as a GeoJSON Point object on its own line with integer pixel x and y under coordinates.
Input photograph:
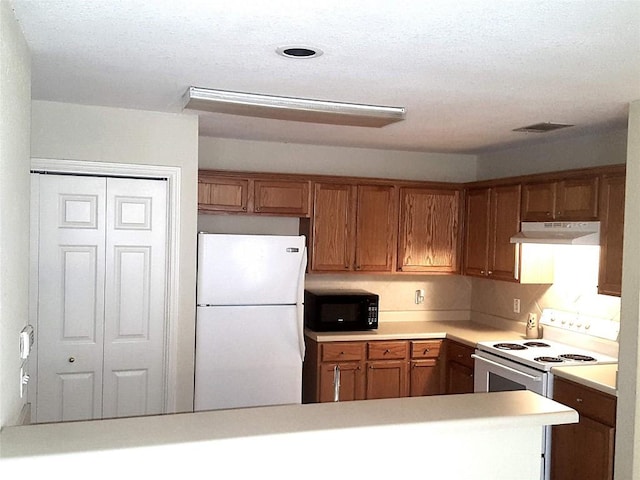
{"type": "Point", "coordinates": [425, 348]}
{"type": "Point", "coordinates": [342, 352]}
{"type": "Point", "coordinates": [387, 350]}
{"type": "Point", "coordinates": [588, 402]}
{"type": "Point", "coordinates": [460, 353]}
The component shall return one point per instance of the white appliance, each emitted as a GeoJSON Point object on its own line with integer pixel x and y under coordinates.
{"type": "Point", "coordinates": [249, 320]}
{"type": "Point", "coordinates": [569, 339]}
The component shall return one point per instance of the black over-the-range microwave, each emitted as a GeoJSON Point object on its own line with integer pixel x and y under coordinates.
{"type": "Point", "coordinates": [336, 311]}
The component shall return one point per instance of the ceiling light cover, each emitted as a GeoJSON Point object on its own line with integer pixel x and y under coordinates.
{"type": "Point", "coordinates": [290, 108]}
{"type": "Point", "coordinates": [542, 127]}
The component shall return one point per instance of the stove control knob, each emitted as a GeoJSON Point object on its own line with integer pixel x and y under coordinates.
{"type": "Point", "coordinates": [587, 326]}
{"type": "Point", "coordinates": [579, 325]}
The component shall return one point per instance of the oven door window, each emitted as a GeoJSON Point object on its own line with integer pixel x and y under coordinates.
{"type": "Point", "coordinates": [501, 384]}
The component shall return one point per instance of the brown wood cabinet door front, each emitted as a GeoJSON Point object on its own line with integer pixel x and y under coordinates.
{"type": "Point", "coordinates": [611, 234]}
{"type": "Point", "coordinates": [577, 199]}
{"type": "Point", "coordinates": [333, 232]}
{"type": "Point", "coordinates": [349, 378]}
{"type": "Point", "coordinates": [387, 379]}
{"type": "Point", "coordinates": [477, 232]}
{"type": "Point", "coordinates": [459, 378]}
{"type": "Point", "coordinates": [582, 451]}
{"type": "Point", "coordinates": [425, 378]}
{"type": "Point", "coordinates": [538, 202]}
{"type": "Point", "coordinates": [429, 230]}
{"type": "Point", "coordinates": [505, 222]}
{"type": "Point", "coordinates": [281, 197]}
{"type": "Point", "coordinates": [376, 226]}
{"type": "Point", "coordinates": [223, 194]}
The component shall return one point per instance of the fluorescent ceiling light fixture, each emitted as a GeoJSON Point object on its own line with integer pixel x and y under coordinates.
{"type": "Point", "coordinates": [289, 108]}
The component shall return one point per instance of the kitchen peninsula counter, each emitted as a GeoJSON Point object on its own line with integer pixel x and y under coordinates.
{"type": "Point", "coordinates": [598, 377]}
{"type": "Point", "coordinates": [467, 332]}
{"type": "Point", "coordinates": [497, 434]}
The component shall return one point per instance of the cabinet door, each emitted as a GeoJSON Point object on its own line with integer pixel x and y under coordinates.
{"type": "Point", "coordinates": [505, 222]}
{"type": "Point", "coordinates": [425, 378]}
{"type": "Point", "coordinates": [387, 379]}
{"type": "Point", "coordinates": [429, 230]}
{"type": "Point", "coordinates": [346, 378]}
{"type": "Point", "coordinates": [222, 194]}
{"type": "Point", "coordinates": [538, 201]}
{"type": "Point", "coordinates": [333, 232]}
{"type": "Point", "coordinates": [577, 199]}
{"type": "Point", "coordinates": [477, 232]}
{"type": "Point", "coordinates": [281, 197]}
{"type": "Point", "coordinates": [459, 378]}
{"type": "Point", "coordinates": [582, 451]}
{"type": "Point", "coordinates": [611, 234]}
{"type": "Point", "coordinates": [375, 230]}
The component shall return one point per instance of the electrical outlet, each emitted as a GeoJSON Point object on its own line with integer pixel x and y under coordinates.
{"type": "Point", "coordinates": [516, 305]}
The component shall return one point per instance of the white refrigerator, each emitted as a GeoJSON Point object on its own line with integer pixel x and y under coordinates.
{"type": "Point", "coordinates": [249, 320]}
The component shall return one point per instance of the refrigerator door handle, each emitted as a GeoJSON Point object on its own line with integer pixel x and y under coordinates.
{"type": "Point", "coordinates": [300, 304]}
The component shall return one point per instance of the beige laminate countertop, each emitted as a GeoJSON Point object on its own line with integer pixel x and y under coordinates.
{"type": "Point", "coordinates": [467, 332]}
{"type": "Point", "coordinates": [598, 377]}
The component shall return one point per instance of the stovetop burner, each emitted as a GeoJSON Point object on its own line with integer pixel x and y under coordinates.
{"type": "Point", "coordinates": [510, 346]}
{"type": "Point", "coordinates": [537, 344]}
{"type": "Point", "coordinates": [549, 359]}
{"type": "Point", "coordinates": [577, 357]}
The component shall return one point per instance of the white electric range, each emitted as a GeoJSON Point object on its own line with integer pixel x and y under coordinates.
{"type": "Point", "coordinates": [568, 339]}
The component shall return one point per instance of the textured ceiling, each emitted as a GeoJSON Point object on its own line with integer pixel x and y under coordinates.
{"type": "Point", "coordinates": [468, 72]}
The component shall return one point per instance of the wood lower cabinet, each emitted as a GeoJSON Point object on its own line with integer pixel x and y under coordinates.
{"type": "Point", "coordinates": [343, 371]}
{"type": "Point", "coordinates": [426, 368]}
{"type": "Point", "coordinates": [572, 199]}
{"type": "Point", "coordinates": [353, 227]}
{"type": "Point", "coordinates": [387, 369]}
{"type": "Point", "coordinates": [429, 230]}
{"type": "Point", "coordinates": [612, 194]}
{"type": "Point", "coordinates": [583, 451]}
{"type": "Point", "coordinates": [459, 368]}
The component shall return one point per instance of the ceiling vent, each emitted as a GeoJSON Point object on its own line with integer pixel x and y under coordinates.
{"type": "Point", "coordinates": [542, 127]}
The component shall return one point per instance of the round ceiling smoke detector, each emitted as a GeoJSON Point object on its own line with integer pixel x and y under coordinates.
{"type": "Point", "coordinates": [298, 52]}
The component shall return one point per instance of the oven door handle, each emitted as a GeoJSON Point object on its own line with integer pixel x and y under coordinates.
{"type": "Point", "coordinates": [478, 357]}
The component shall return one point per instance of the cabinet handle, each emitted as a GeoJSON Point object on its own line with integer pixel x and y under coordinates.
{"type": "Point", "coordinates": [482, 272]}
{"type": "Point", "coordinates": [579, 400]}
{"type": "Point", "coordinates": [426, 350]}
{"type": "Point", "coordinates": [386, 351]}
{"type": "Point", "coordinates": [336, 383]}
{"type": "Point", "coordinates": [548, 214]}
{"type": "Point", "coordinates": [489, 272]}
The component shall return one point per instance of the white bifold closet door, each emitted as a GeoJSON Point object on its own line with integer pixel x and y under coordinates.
{"type": "Point", "coordinates": [101, 297]}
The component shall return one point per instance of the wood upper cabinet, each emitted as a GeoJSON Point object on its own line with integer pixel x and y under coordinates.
{"type": "Point", "coordinates": [222, 194]}
{"type": "Point", "coordinates": [429, 230]}
{"type": "Point", "coordinates": [612, 191]}
{"type": "Point", "coordinates": [492, 218]}
{"type": "Point", "coordinates": [585, 450]}
{"type": "Point", "coordinates": [572, 199]}
{"type": "Point", "coordinates": [281, 197]}
{"type": "Point", "coordinates": [235, 193]}
{"type": "Point", "coordinates": [353, 227]}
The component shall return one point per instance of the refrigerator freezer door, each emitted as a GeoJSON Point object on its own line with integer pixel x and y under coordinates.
{"type": "Point", "coordinates": [247, 356]}
{"type": "Point", "coordinates": [250, 269]}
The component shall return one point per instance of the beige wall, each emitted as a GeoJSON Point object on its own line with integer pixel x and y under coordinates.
{"type": "Point", "coordinates": [627, 459]}
{"type": "Point", "coordinates": [607, 148]}
{"type": "Point", "coordinates": [76, 132]}
{"type": "Point", "coordinates": [229, 154]}
{"type": "Point", "coordinates": [15, 99]}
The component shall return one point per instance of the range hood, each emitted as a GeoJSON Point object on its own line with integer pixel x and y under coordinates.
{"type": "Point", "coordinates": [559, 233]}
